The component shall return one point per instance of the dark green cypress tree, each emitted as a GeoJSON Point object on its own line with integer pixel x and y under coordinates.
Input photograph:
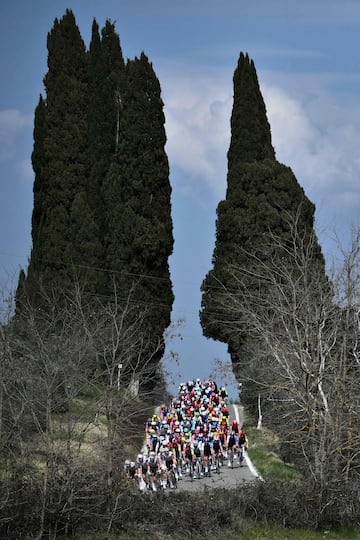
{"type": "Point", "coordinates": [59, 160]}
{"type": "Point", "coordinates": [39, 190]}
{"type": "Point", "coordinates": [97, 154]}
{"type": "Point", "coordinates": [138, 198]}
{"type": "Point", "coordinates": [250, 129]}
{"type": "Point", "coordinates": [261, 196]}
{"type": "Point", "coordinates": [106, 78]}
{"type": "Point", "coordinates": [38, 163]}
{"type": "Point", "coordinates": [102, 175]}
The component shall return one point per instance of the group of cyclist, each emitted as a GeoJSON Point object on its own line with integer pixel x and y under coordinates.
{"type": "Point", "coordinates": [191, 436]}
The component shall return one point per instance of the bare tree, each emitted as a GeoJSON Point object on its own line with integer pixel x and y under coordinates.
{"type": "Point", "coordinates": [302, 352]}
{"type": "Point", "coordinates": [74, 378]}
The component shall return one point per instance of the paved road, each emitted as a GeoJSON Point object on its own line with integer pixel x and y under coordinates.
{"type": "Point", "coordinates": [227, 478]}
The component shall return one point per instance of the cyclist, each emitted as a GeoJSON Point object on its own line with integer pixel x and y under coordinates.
{"type": "Point", "coordinates": [231, 445]}
{"type": "Point", "coordinates": [130, 469]}
{"type": "Point", "coordinates": [170, 466]}
{"type": "Point", "coordinates": [198, 455]}
{"type": "Point", "coordinates": [242, 445]}
{"type": "Point", "coordinates": [218, 452]}
{"type": "Point", "coordinates": [153, 470]}
{"type": "Point", "coordinates": [235, 427]}
{"type": "Point", "coordinates": [207, 453]}
{"type": "Point", "coordinates": [189, 458]}
{"type": "Point", "coordinates": [140, 472]}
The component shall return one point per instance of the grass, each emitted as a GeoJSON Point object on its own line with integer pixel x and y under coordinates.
{"type": "Point", "coordinates": [264, 453]}
{"type": "Point", "coordinates": [250, 532]}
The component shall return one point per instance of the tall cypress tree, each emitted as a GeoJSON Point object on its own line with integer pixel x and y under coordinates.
{"type": "Point", "coordinates": [102, 196]}
{"type": "Point", "coordinates": [261, 195]}
{"type": "Point", "coordinates": [59, 160]}
{"type": "Point", "coordinates": [138, 198]}
{"type": "Point", "coordinates": [106, 79]}
{"type": "Point", "coordinates": [39, 190]}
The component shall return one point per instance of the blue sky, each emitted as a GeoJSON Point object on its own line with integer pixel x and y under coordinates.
{"type": "Point", "coordinates": [308, 63]}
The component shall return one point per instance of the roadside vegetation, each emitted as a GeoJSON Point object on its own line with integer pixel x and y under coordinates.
{"type": "Point", "coordinates": [264, 452]}
{"type": "Point", "coordinates": [250, 532]}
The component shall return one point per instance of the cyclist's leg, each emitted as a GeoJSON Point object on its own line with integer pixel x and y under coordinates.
{"type": "Point", "coordinates": [241, 454]}
{"type": "Point", "coordinates": [191, 470]}
{"type": "Point", "coordinates": [151, 481]}
{"type": "Point", "coordinates": [229, 456]}
{"type": "Point", "coordinates": [163, 477]}
{"type": "Point", "coordinates": [179, 467]}
{"type": "Point", "coordinates": [140, 482]}
{"type": "Point", "coordinates": [217, 462]}
{"type": "Point", "coordinates": [173, 478]}
{"type": "Point", "coordinates": [198, 468]}
{"type": "Point", "coordinates": [206, 465]}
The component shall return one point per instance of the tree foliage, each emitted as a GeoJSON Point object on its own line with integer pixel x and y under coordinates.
{"type": "Point", "coordinates": [261, 195]}
{"type": "Point", "coordinates": [101, 192]}
{"type": "Point", "coordinates": [138, 192]}
{"type": "Point", "coordinates": [304, 362]}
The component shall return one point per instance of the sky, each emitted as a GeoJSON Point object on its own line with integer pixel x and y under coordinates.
{"type": "Point", "coordinates": [308, 63]}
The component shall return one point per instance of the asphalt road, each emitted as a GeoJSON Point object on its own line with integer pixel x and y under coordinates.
{"type": "Point", "coordinates": [228, 477]}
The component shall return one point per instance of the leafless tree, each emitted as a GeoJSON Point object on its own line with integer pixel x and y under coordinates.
{"type": "Point", "coordinates": [302, 351]}
{"type": "Point", "coordinates": [75, 372]}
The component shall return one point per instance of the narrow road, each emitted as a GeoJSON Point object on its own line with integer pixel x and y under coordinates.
{"type": "Point", "coordinates": [227, 478]}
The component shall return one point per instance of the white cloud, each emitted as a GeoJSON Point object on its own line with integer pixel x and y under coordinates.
{"type": "Point", "coordinates": [198, 109]}
{"type": "Point", "coordinates": [313, 132]}
{"type": "Point", "coordinates": [12, 122]}
{"type": "Point", "coordinates": [318, 137]}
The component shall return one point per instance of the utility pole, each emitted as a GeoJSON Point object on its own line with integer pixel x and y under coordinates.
{"type": "Point", "coordinates": [119, 366]}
